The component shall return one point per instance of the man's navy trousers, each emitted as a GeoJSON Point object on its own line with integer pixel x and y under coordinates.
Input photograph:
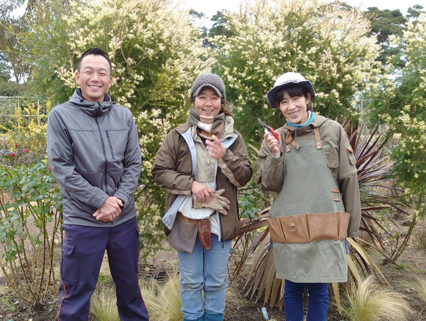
{"type": "Point", "coordinates": [82, 254]}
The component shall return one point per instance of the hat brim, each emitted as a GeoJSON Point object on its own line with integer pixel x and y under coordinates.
{"type": "Point", "coordinates": [197, 92]}
{"type": "Point", "coordinates": [305, 83]}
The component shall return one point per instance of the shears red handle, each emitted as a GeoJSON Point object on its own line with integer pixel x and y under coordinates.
{"type": "Point", "coordinates": [270, 129]}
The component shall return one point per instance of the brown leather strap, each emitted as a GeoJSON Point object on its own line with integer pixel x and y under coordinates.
{"type": "Point", "coordinates": [289, 140]}
{"type": "Point", "coordinates": [186, 219]}
{"type": "Point", "coordinates": [317, 138]}
{"type": "Point", "coordinates": [335, 190]}
{"type": "Point", "coordinates": [190, 220]}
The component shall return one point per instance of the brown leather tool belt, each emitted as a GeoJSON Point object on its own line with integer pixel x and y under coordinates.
{"type": "Point", "coordinates": [204, 230]}
{"type": "Point", "coordinates": [305, 228]}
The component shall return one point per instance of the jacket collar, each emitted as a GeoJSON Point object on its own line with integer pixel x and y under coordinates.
{"type": "Point", "coordinates": [317, 122]}
{"type": "Point", "coordinates": [93, 109]}
{"type": "Point", "coordinates": [229, 127]}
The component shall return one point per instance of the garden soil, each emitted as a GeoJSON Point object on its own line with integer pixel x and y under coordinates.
{"type": "Point", "coordinates": [411, 263]}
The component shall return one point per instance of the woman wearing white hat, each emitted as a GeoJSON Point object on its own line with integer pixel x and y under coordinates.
{"type": "Point", "coordinates": [318, 203]}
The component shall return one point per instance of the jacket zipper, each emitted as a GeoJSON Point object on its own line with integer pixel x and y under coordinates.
{"type": "Point", "coordinates": [110, 145]}
{"type": "Point", "coordinates": [105, 156]}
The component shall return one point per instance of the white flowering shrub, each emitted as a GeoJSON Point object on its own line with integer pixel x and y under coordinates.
{"type": "Point", "coordinates": [156, 55]}
{"type": "Point", "coordinates": [400, 103]}
{"type": "Point", "coordinates": [324, 42]}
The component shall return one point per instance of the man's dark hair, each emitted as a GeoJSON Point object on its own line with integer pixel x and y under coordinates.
{"type": "Point", "coordinates": [293, 90]}
{"type": "Point", "coordinates": [96, 52]}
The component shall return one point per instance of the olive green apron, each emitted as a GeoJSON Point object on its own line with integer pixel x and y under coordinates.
{"type": "Point", "coordinates": [309, 190]}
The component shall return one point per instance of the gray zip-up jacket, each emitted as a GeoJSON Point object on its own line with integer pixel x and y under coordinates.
{"type": "Point", "coordinates": [93, 150]}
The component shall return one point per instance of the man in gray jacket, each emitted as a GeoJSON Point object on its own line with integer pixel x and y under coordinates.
{"type": "Point", "coordinates": [94, 154]}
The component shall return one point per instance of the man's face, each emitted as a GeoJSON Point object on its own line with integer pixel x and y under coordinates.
{"type": "Point", "coordinates": [94, 77]}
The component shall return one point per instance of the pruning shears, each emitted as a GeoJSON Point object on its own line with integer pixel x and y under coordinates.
{"type": "Point", "coordinates": [269, 129]}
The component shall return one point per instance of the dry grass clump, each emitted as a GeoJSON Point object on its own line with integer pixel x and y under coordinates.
{"type": "Point", "coordinates": [104, 306]}
{"type": "Point", "coordinates": [370, 302]}
{"type": "Point", "coordinates": [419, 286]}
{"type": "Point", "coordinates": [163, 301]}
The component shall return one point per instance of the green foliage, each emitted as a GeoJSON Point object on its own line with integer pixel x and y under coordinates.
{"type": "Point", "coordinates": [28, 194]}
{"type": "Point", "coordinates": [9, 88]}
{"type": "Point", "coordinates": [325, 43]}
{"type": "Point", "coordinates": [24, 141]}
{"type": "Point", "coordinates": [220, 25]}
{"type": "Point", "coordinates": [385, 23]}
{"type": "Point", "coordinates": [414, 12]}
{"type": "Point", "coordinates": [47, 42]}
{"type": "Point", "coordinates": [104, 279]}
{"type": "Point", "coordinates": [249, 200]}
{"type": "Point", "coordinates": [12, 53]}
{"type": "Point", "coordinates": [27, 127]}
{"type": "Point", "coordinates": [6, 303]}
{"type": "Point", "coordinates": [4, 69]}
{"type": "Point", "coordinates": [400, 102]}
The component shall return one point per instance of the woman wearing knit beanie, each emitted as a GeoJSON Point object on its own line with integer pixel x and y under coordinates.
{"type": "Point", "coordinates": [200, 165]}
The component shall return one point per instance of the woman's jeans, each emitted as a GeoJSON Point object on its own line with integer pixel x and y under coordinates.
{"type": "Point", "coordinates": [317, 301]}
{"type": "Point", "coordinates": [204, 270]}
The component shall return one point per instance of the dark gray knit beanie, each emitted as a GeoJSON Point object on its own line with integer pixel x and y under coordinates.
{"type": "Point", "coordinates": [208, 80]}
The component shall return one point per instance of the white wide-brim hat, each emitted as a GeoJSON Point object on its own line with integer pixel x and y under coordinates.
{"type": "Point", "coordinates": [285, 79]}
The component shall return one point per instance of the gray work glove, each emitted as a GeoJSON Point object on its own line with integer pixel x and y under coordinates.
{"type": "Point", "coordinates": [218, 202]}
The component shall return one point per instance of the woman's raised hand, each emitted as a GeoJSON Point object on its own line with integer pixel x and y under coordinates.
{"type": "Point", "coordinates": [273, 144]}
{"type": "Point", "coordinates": [215, 148]}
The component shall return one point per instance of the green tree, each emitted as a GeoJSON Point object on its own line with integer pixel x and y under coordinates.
{"type": "Point", "coordinates": [385, 23]}
{"type": "Point", "coordinates": [9, 88]}
{"type": "Point", "coordinates": [325, 43]}
{"type": "Point", "coordinates": [400, 102]}
{"type": "Point", "coordinates": [11, 53]}
{"type": "Point", "coordinates": [197, 18]}
{"type": "Point", "coordinates": [48, 49]}
{"type": "Point", "coordinates": [220, 25]}
{"type": "Point", "coordinates": [219, 28]}
{"type": "Point", "coordinates": [414, 12]}
{"type": "Point", "coordinates": [4, 69]}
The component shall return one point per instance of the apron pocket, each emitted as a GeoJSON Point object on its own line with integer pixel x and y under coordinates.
{"type": "Point", "coordinates": [277, 234]}
{"type": "Point", "coordinates": [183, 235]}
{"type": "Point", "coordinates": [323, 226]}
{"type": "Point", "coordinates": [328, 226]}
{"type": "Point", "coordinates": [295, 228]}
